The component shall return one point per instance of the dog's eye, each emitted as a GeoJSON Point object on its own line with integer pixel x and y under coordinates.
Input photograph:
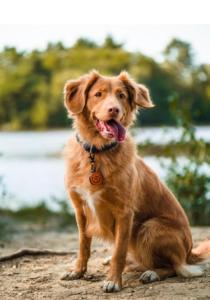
{"type": "Point", "coordinates": [98, 94]}
{"type": "Point", "coordinates": [121, 96]}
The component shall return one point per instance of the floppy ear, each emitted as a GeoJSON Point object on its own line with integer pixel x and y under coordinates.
{"type": "Point", "coordinates": [143, 97]}
{"type": "Point", "coordinates": [76, 91]}
{"type": "Point", "coordinates": [138, 93]}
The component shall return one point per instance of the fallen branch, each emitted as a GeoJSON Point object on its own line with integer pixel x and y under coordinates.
{"type": "Point", "coordinates": [24, 252]}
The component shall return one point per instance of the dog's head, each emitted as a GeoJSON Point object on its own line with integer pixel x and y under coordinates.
{"type": "Point", "coordinates": [107, 104]}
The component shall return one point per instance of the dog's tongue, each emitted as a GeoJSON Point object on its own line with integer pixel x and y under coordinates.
{"type": "Point", "coordinates": [115, 130]}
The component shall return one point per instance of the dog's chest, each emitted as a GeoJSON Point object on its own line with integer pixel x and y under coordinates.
{"type": "Point", "coordinates": [89, 197]}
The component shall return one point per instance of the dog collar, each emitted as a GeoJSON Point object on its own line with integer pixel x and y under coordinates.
{"type": "Point", "coordinates": [93, 149]}
{"type": "Point", "coordinates": [96, 177]}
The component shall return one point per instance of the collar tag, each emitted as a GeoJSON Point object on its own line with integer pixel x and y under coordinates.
{"type": "Point", "coordinates": [96, 177]}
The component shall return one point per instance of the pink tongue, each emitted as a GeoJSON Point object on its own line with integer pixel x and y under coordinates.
{"type": "Point", "coordinates": [116, 129]}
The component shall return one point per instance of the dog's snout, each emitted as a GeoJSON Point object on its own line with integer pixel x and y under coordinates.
{"type": "Point", "coordinates": [113, 111]}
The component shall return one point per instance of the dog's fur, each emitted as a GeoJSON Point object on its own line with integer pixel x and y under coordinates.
{"type": "Point", "coordinates": [132, 208]}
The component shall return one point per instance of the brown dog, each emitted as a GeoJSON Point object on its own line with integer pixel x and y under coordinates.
{"type": "Point", "coordinates": [116, 196]}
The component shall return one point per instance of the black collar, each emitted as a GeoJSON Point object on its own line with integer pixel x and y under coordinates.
{"type": "Point", "coordinates": [93, 149]}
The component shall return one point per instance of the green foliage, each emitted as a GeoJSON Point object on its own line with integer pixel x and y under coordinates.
{"type": "Point", "coordinates": [111, 44]}
{"type": "Point", "coordinates": [179, 52]}
{"type": "Point", "coordinates": [85, 43]}
{"type": "Point", "coordinates": [2, 189]}
{"type": "Point", "coordinates": [188, 177]}
{"type": "Point", "coordinates": [168, 150]}
{"type": "Point", "coordinates": [42, 214]}
{"type": "Point", "coordinates": [38, 217]}
{"type": "Point", "coordinates": [31, 83]}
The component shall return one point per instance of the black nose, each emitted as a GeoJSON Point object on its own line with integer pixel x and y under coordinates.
{"type": "Point", "coordinates": [114, 110]}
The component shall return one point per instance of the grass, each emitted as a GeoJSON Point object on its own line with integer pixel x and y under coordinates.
{"type": "Point", "coordinates": [38, 217]}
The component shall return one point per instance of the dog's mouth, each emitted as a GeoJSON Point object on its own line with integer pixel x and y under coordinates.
{"type": "Point", "coordinates": [111, 129]}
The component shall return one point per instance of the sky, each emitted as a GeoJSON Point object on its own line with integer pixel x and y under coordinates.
{"type": "Point", "coordinates": [148, 39]}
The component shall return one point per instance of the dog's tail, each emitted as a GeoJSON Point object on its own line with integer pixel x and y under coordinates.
{"type": "Point", "coordinates": [200, 254]}
{"type": "Point", "coordinates": [196, 261]}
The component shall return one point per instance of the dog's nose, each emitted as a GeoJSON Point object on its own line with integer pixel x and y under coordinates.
{"type": "Point", "coordinates": [113, 111]}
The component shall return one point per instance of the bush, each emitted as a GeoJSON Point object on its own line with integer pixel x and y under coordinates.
{"type": "Point", "coordinates": [188, 177]}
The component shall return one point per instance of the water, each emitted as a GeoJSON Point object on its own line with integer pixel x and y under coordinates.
{"type": "Point", "coordinates": [163, 135]}
{"type": "Point", "coordinates": [33, 170]}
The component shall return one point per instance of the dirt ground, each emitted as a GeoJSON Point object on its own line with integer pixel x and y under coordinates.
{"type": "Point", "coordinates": [38, 277]}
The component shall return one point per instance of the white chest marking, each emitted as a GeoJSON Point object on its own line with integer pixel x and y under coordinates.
{"type": "Point", "coordinates": [88, 197]}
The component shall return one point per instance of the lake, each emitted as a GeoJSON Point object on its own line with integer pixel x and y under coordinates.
{"type": "Point", "coordinates": [32, 168]}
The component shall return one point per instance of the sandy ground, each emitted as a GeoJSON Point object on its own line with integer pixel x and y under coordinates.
{"type": "Point", "coordinates": [39, 277]}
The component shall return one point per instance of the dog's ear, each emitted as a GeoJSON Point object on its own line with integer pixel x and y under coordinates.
{"type": "Point", "coordinates": [76, 91]}
{"type": "Point", "coordinates": [143, 97]}
{"type": "Point", "coordinates": [138, 93]}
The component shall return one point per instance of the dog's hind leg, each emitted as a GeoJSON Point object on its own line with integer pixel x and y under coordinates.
{"type": "Point", "coordinates": [156, 275]}
{"type": "Point", "coordinates": [162, 250]}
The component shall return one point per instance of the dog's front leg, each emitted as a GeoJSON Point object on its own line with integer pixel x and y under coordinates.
{"type": "Point", "coordinates": [84, 241]}
{"type": "Point", "coordinates": [122, 235]}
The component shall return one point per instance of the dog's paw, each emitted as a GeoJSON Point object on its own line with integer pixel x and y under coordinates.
{"type": "Point", "coordinates": [73, 275]}
{"type": "Point", "coordinates": [111, 287]}
{"type": "Point", "coordinates": [149, 276]}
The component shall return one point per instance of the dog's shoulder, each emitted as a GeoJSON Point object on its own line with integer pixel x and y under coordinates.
{"type": "Point", "coordinates": [70, 149]}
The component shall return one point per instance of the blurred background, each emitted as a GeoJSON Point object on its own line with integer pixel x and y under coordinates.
{"type": "Point", "coordinates": [173, 138]}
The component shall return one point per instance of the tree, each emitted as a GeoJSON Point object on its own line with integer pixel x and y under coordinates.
{"type": "Point", "coordinates": [85, 43]}
{"type": "Point", "coordinates": [110, 43]}
{"type": "Point", "coordinates": [31, 84]}
{"type": "Point", "coordinates": [178, 51]}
